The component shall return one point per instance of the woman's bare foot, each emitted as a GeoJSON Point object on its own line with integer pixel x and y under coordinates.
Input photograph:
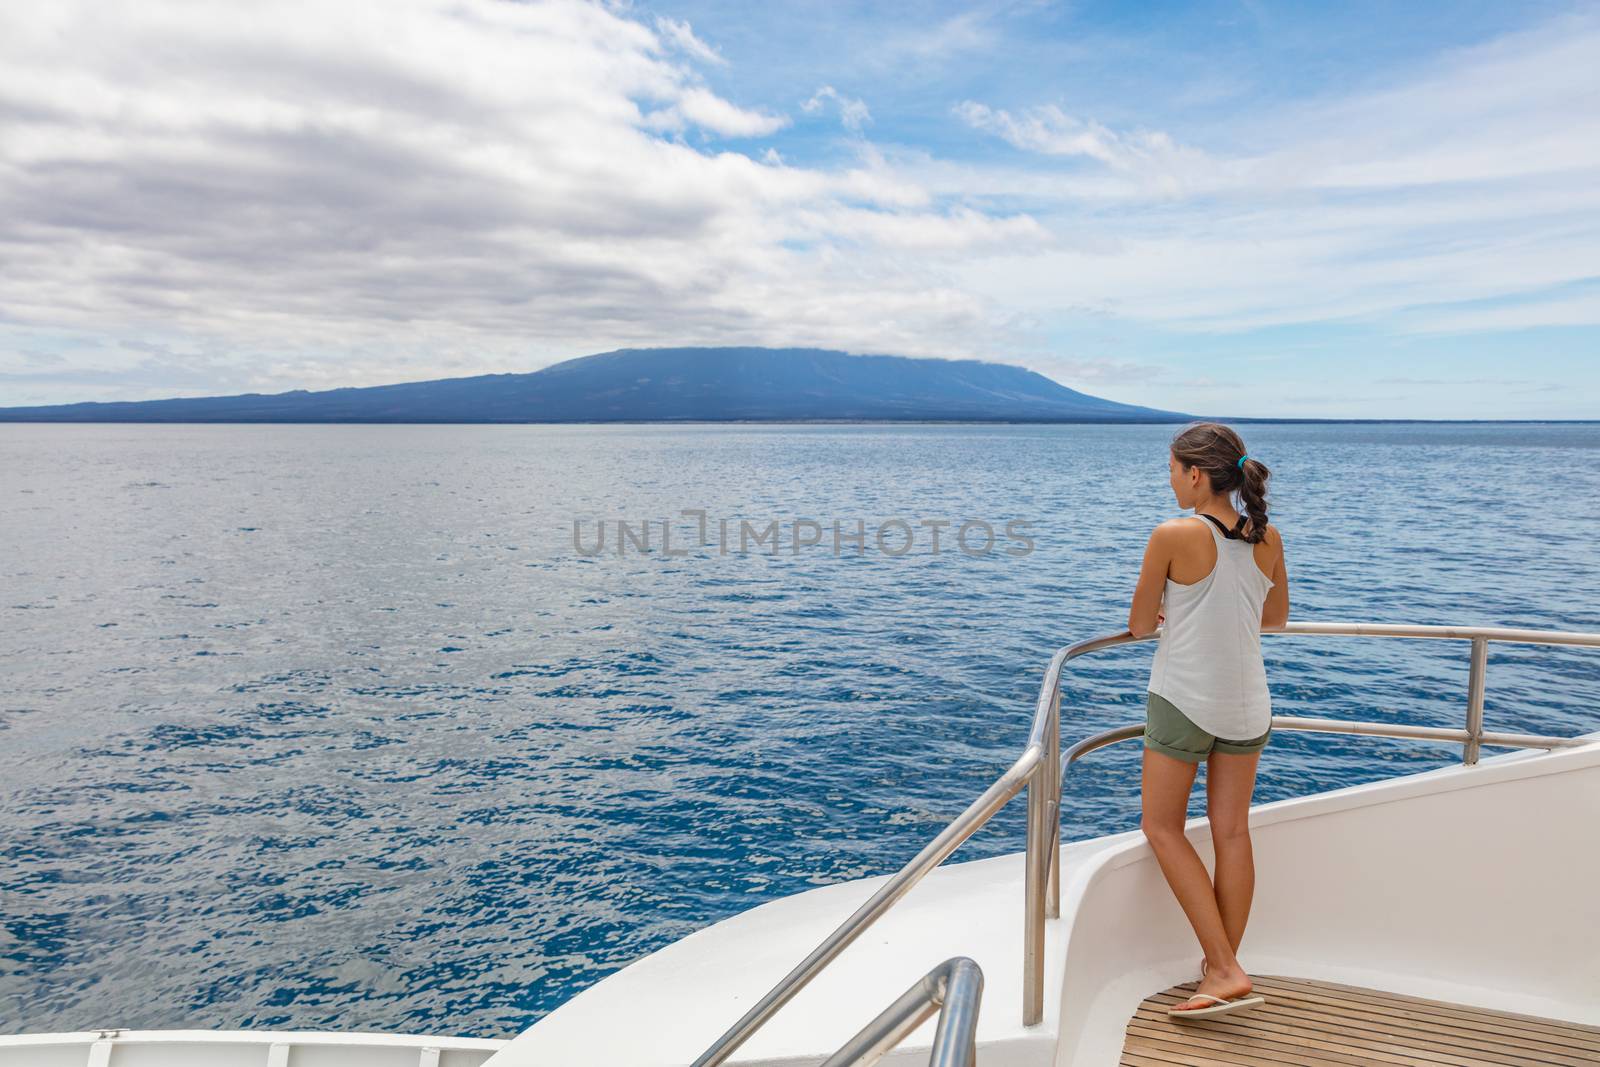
{"type": "Point", "coordinates": [1229, 984]}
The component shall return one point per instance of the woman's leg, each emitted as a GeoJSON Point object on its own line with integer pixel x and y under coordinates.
{"type": "Point", "coordinates": [1230, 783]}
{"type": "Point", "coordinates": [1165, 787]}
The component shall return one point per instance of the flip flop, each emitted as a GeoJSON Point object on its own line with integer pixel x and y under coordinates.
{"type": "Point", "coordinates": [1221, 1007]}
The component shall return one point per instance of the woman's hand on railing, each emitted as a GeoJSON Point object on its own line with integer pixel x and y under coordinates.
{"type": "Point", "coordinates": [1160, 619]}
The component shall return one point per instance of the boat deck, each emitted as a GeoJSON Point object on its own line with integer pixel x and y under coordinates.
{"type": "Point", "coordinates": [1310, 1024]}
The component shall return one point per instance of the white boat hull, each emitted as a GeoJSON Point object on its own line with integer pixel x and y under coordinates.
{"type": "Point", "coordinates": [241, 1048]}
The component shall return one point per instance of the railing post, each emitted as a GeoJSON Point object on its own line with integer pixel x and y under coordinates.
{"type": "Point", "coordinates": [955, 1039]}
{"type": "Point", "coordinates": [1475, 689]}
{"type": "Point", "coordinates": [954, 989]}
{"type": "Point", "coordinates": [1033, 896]}
{"type": "Point", "coordinates": [1052, 762]}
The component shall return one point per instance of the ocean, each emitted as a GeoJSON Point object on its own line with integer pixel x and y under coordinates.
{"type": "Point", "coordinates": [367, 728]}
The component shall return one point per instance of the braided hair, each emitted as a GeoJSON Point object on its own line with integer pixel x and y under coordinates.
{"type": "Point", "coordinates": [1219, 451]}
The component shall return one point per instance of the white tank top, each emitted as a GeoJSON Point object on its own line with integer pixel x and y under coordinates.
{"type": "Point", "coordinates": [1208, 659]}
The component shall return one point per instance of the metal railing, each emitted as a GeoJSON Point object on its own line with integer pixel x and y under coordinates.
{"type": "Point", "coordinates": [954, 989]}
{"type": "Point", "coordinates": [1041, 767]}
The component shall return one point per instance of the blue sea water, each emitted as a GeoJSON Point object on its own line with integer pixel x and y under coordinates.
{"type": "Point", "coordinates": [335, 727]}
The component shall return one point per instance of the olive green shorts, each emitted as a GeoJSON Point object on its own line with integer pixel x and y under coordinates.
{"type": "Point", "coordinates": [1169, 731]}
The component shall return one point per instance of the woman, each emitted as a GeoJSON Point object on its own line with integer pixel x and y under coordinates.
{"type": "Point", "coordinates": [1213, 581]}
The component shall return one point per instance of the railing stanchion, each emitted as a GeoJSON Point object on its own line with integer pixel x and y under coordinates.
{"type": "Point", "coordinates": [955, 990]}
{"type": "Point", "coordinates": [1475, 688]}
{"type": "Point", "coordinates": [1052, 767]}
{"type": "Point", "coordinates": [1033, 898]}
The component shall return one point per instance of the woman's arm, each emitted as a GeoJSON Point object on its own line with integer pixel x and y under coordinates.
{"type": "Point", "coordinates": [1145, 614]}
{"type": "Point", "coordinates": [1275, 612]}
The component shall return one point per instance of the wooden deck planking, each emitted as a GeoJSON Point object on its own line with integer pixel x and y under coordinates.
{"type": "Point", "coordinates": [1311, 1023]}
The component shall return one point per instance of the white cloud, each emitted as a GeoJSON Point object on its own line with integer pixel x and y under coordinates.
{"type": "Point", "coordinates": [681, 36]}
{"type": "Point", "coordinates": [1052, 131]}
{"type": "Point", "coordinates": [1573, 309]}
{"type": "Point", "coordinates": [853, 113]}
{"type": "Point", "coordinates": [293, 193]}
{"type": "Point", "coordinates": [1151, 158]}
{"type": "Point", "coordinates": [703, 108]}
{"type": "Point", "coordinates": [967, 32]}
{"type": "Point", "coordinates": [1476, 178]}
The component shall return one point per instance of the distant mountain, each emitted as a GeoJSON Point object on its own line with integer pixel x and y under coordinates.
{"type": "Point", "coordinates": [661, 384]}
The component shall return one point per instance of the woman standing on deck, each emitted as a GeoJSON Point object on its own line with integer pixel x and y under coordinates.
{"type": "Point", "coordinates": [1213, 581]}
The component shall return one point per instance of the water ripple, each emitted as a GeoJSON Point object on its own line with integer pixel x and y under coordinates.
{"type": "Point", "coordinates": [329, 727]}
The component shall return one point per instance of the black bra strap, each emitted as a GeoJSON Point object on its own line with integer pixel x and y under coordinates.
{"type": "Point", "coordinates": [1232, 535]}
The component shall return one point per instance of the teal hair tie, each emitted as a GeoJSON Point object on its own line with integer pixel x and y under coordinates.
{"type": "Point", "coordinates": [1242, 459]}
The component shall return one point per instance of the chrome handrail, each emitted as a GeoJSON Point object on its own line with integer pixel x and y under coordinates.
{"type": "Point", "coordinates": [954, 989]}
{"type": "Point", "coordinates": [1040, 769]}
{"type": "Point", "coordinates": [1109, 737]}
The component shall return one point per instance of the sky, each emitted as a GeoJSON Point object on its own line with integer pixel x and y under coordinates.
{"type": "Point", "coordinates": [1354, 210]}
